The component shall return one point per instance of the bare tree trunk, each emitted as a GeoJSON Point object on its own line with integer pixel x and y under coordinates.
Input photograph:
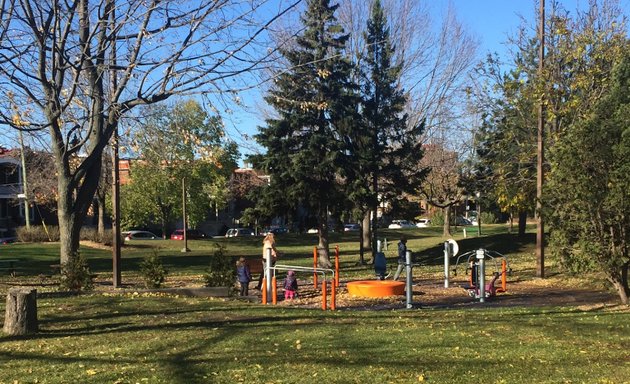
{"type": "Point", "coordinates": [447, 221]}
{"type": "Point", "coordinates": [100, 203]}
{"type": "Point", "coordinates": [619, 280]}
{"type": "Point", "coordinates": [21, 312]}
{"type": "Point", "coordinates": [366, 233]}
{"type": "Point", "coordinates": [73, 204]}
{"type": "Point", "coordinates": [322, 246]}
{"type": "Point", "coordinates": [68, 230]}
{"type": "Point", "coordinates": [622, 290]}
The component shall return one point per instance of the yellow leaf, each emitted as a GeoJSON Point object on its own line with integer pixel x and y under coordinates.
{"type": "Point", "coordinates": [91, 372]}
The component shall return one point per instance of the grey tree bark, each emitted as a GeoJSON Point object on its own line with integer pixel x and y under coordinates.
{"type": "Point", "coordinates": [21, 312]}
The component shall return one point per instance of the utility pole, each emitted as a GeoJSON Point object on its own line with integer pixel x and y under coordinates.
{"type": "Point", "coordinates": [184, 221]}
{"type": "Point", "coordinates": [116, 257]}
{"type": "Point", "coordinates": [27, 208]}
{"type": "Point", "coordinates": [540, 229]}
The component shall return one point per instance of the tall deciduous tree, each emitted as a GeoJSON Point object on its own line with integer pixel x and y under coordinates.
{"type": "Point", "coordinates": [581, 48]}
{"type": "Point", "coordinates": [589, 191]}
{"type": "Point", "coordinates": [75, 68]}
{"type": "Point", "coordinates": [177, 145]}
{"type": "Point", "coordinates": [313, 98]}
{"type": "Point", "coordinates": [442, 187]}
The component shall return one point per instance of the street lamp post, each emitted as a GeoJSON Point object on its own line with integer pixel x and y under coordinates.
{"type": "Point", "coordinates": [27, 212]}
{"type": "Point", "coordinates": [185, 223]}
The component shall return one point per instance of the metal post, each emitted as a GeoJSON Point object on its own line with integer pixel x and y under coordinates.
{"type": "Point", "coordinates": [481, 275]}
{"type": "Point", "coordinates": [116, 240]}
{"type": "Point", "coordinates": [268, 259]}
{"type": "Point", "coordinates": [540, 156]}
{"type": "Point", "coordinates": [184, 221]}
{"type": "Point", "coordinates": [447, 260]}
{"type": "Point", "coordinates": [409, 279]}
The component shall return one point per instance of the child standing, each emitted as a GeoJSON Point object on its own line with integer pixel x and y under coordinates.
{"type": "Point", "coordinates": [244, 275]}
{"type": "Point", "coordinates": [290, 285]}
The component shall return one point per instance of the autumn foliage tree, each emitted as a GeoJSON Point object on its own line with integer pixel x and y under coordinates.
{"type": "Point", "coordinates": [589, 188]}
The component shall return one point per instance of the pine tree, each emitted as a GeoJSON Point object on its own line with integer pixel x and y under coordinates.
{"type": "Point", "coordinates": [386, 150]}
{"type": "Point", "coordinates": [314, 101]}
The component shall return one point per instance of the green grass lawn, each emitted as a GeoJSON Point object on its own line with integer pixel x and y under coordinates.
{"type": "Point", "coordinates": [129, 337]}
{"type": "Point", "coordinates": [159, 339]}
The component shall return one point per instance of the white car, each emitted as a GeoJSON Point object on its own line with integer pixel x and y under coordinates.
{"type": "Point", "coordinates": [239, 232]}
{"type": "Point", "coordinates": [422, 223]}
{"type": "Point", "coordinates": [351, 227]}
{"type": "Point", "coordinates": [400, 224]}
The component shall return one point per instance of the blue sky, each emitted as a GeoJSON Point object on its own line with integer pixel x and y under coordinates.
{"type": "Point", "coordinates": [491, 21]}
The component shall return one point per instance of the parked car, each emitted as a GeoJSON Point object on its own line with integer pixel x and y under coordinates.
{"type": "Point", "coordinates": [460, 220]}
{"type": "Point", "coordinates": [422, 223]}
{"type": "Point", "coordinates": [312, 231]}
{"type": "Point", "coordinates": [239, 232]}
{"type": "Point", "coordinates": [139, 235]}
{"type": "Point", "coordinates": [351, 227]}
{"type": "Point", "coordinates": [191, 234]}
{"type": "Point", "coordinates": [7, 240]}
{"type": "Point", "coordinates": [275, 231]}
{"type": "Point", "coordinates": [399, 224]}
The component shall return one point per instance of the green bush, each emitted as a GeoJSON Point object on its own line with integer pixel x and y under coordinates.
{"type": "Point", "coordinates": [221, 271]}
{"type": "Point", "coordinates": [152, 270]}
{"type": "Point", "coordinates": [488, 218]}
{"type": "Point", "coordinates": [76, 275]}
{"type": "Point", "coordinates": [37, 234]}
{"type": "Point", "coordinates": [437, 219]}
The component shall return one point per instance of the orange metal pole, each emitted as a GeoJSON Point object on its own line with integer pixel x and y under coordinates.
{"type": "Point", "coordinates": [337, 266]}
{"type": "Point", "coordinates": [264, 291]}
{"type": "Point", "coordinates": [274, 291]}
{"type": "Point", "coordinates": [324, 295]}
{"type": "Point", "coordinates": [315, 267]}
{"type": "Point", "coordinates": [504, 275]}
{"type": "Point", "coordinates": [333, 296]}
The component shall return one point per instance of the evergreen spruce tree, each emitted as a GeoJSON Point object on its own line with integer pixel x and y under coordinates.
{"type": "Point", "coordinates": [386, 151]}
{"type": "Point", "coordinates": [314, 101]}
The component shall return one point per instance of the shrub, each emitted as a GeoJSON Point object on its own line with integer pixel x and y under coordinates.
{"type": "Point", "coordinates": [76, 275]}
{"type": "Point", "coordinates": [37, 234]}
{"type": "Point", "coordinates": [438, 218]}
{"type": "Point", "coordinates": [488, 218]}
{"type": "Point", "coordinates": [152, 270]}
{"type": "Point", "coordinates": [221, 272]}
{"type": "Point", "coordinates": [91, 234]}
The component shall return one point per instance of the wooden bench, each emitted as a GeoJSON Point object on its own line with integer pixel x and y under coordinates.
{"type": "Point", "coordinates": [9, 265]}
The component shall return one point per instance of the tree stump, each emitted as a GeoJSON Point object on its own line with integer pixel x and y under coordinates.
{"type": "Point", "coordinates": [21, 312]}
